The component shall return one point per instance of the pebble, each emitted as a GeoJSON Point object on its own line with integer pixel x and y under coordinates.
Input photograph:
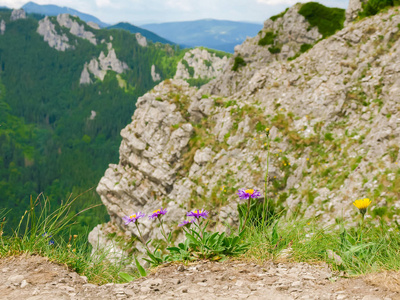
{"type": "Point", "coordinates": [16, 279]}
{"type": "Point", "coordinates": [23, 284]}
{"type": "Point", "coordinates": [371, 297]}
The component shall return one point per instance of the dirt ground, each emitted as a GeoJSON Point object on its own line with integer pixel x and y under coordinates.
{"type": "Point", "coordinates": [35, 278]}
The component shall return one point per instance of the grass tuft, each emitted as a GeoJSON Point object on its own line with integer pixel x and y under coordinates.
{"type": "Point", "coordinates": [46, 232]}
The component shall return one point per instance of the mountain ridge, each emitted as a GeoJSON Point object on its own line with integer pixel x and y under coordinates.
{"type": "Point", "coordinates": [221, 35]}
{"type": "Point", "coordinates": [146, 33]}
{"type": "Point", "coordinates": [54, 10]}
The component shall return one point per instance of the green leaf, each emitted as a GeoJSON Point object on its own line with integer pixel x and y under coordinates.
{"type": "Point", "coordinates": [275, 235]}
{"type": "Point", "coordinates": [126, 276]}
{"type": "Point", "coordinates": [141, 270]}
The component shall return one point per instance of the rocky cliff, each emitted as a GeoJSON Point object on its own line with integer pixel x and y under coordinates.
{"type": "Point", "coordinates": [280, 39]}
{"type": "Point", "coordinates": [333, 114]}
{"type": "Point", "coordinates": [2, 27]}
{"type": "Point", "coordinates": [100, 66]}
{"type": "Point", "coordinates": [200, 63]}
{"type": "Point", "coordinates": [17, 14]}
{"type": "Point", "coordinates": [59, 39]}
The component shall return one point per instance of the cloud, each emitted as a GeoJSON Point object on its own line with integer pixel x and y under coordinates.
{"type": "Point", "coordinates": [280, 2]}
{"type": "Point", "coordinates": [103, 3]}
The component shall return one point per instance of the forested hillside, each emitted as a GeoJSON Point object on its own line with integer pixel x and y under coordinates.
{"type": "Point", "coordinates": [57, 136]}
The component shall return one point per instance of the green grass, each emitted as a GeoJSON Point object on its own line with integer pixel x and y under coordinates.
{"type": "Point", "coordinates": [46, 232]}
{"type": "Point", "coordinates": [268, 39]}
{"type": "Point", "coordinates": [239, 62]}
{"type": "Point", "coordinates": [274, 50]}
{"type": "Point", "coordinates": [372, 7]}
{"type": "Point", "coordinates": [327, 19]}
{"type": "Point", "coordinates": [276, 17]}
{"type": "Point", "coordinates": [307, 241]}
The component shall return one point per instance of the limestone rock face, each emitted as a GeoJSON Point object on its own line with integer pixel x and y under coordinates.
{"type": "Point", "coordinates": [47, 30]}
{"type": "Point", "coordinates": [85, 76]}
{"type": "Point", "coordinates": [290, 31]}
{"type": "Point", "coordinates": [99, 67]}
{"type": "Point", "coordinates": [76, 29]}
{"type": "Point", "coordinates": [150, 159]}
{"type": "Point", "coordinates": [333, 116]}
{"type": "Point", "coordinates": [141, 39]}
{"type": "Point", "coordinates": [17, 14]}
{"type": "Point", "coordinates": [93, 25]}
{"type": "Point", "coordinates": [2, 27]}
{"type": "Point", "coordinates": [355, 6]}
{"type": "Point", "coordinates": [154, 75]}
{"type": "Point", "coordinates": [203, 63]}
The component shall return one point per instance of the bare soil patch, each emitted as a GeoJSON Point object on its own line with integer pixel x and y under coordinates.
{"type": "Point", "coordinates": [34, 278]}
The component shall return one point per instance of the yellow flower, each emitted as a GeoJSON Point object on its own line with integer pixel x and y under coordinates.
{"type": "Point", "coordinates": [250, 192]}
{"type": "Point", "coordinates": [362, 205]}
{"type": "Point", "coordinates": [75, 236]}
{"type": "Point", "coordinates": [73, 250]}
{"type": "Point", "coordinates": [267, 129]}
{"type": "Point", "coordinates": [308, 159]}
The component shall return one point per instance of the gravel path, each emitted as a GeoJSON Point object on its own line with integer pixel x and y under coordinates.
{"type": "Point", "coordinates": [35, 278]}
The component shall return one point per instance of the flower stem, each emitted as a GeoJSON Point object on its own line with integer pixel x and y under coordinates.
{"type": "Point", "coordinates": [266, 202]}
{"type": "Point", "coordinates": [247, 215]}
{"type": "Point", "coordinates": [141, 237]}
{"type": "Point", "coordinates": [163, 231]}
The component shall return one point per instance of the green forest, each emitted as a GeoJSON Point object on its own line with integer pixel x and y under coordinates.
{"type": "Point", "coordinates": [48, 143]}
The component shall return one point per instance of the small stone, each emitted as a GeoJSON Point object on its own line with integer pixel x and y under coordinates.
{"type": "Point", "coordinates": [202, 283]}
{"type": "Point", "coordinates": [371, 297]}
{"type": "Point", "coordinates": [309, 277]}
{"type": "Point", "coordinates": [341, 297]}
{"type": "Point", "coordinates": [176, 281]}
{"type": "Point", "coordinates": [16, 279]}
{"type": "Point", "coordinates": [23, 284]}
{"type": "Point", "coordinates": [181, 268]}
{"type": "Point", "coordinates": [145, 289]}
{"type": "Point", "coordinates": [296, 284]}
{"type": "Point", "coordinates": [239, 283]}
{"type": "Point", "coordinates": [253, 287]}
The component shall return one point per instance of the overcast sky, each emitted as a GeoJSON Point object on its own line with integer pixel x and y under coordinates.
{"type": "Point", "coordinates": [158, 11]}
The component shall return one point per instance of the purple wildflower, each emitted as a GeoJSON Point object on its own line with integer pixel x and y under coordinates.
{"type": "Point", "coordinates": [157, 213]}
{"type": "Point", "coordinates": [186, 222]}
{"type": "Point", "coordinates": [132, 218]}
{"type": "Point", "coordinates": [198, 213]}
{"type": "Point", "coordinates": [246, 194]}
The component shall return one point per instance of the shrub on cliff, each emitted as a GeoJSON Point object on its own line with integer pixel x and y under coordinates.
{"type": "Point", "coordinates": [372, 7]}
{"type": "Point", "coordinates": [327, 19]}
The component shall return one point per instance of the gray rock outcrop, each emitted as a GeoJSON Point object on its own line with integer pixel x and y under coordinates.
{"type": "Point", "coordinates": [47, 30]}
{"type": "Point", "coordinates": [142, 41]}
{"type": "Point", "coordinates": [99, 67]}
{"type": "Point", "coordinates": [2, 27]}
{"type": "Point", "coordinates": [150, 158]}
{"type": "Point", "coordinates": [76, 29]}
{"type": "Point", "coordinates": [93, 25]}
{"type": "Point", "coordinates": [203, 64]}
{"type": "Point", "coordinates": [334, 119]}
{"type": "Point", "coordinates": [355, 6]}
{"type": "Point", "coordinates": [17, 14]}
{"type": "Point", "coordinates": [289, 32]}
{"type": "Point", "coordinates": [154, 75]}
{"type": "Point", "coordinates": [85, 76]}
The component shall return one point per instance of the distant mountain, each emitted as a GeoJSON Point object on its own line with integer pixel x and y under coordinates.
{"type": "Point", "coordinates": [146, 33]}
{"type": "Point", "coordinates": [54, 10]}
{"type": "Point", "coordinates": [215, 34]}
